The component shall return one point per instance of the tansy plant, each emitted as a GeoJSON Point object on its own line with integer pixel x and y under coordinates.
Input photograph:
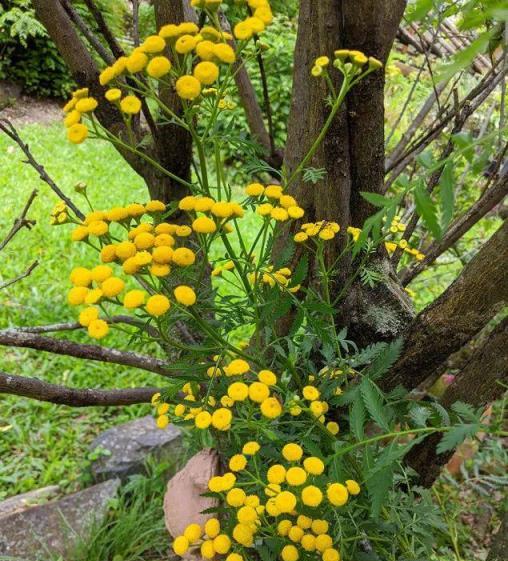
{"type": "Point", "coordinates": [292, 484]}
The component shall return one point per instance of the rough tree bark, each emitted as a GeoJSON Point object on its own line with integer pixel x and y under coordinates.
{"type": "Point", "coordinates": [482, 381]}
{"type": "Point", "coordinates": [456, 316]}
{"type": "Point", "coordinates": [352, 164]}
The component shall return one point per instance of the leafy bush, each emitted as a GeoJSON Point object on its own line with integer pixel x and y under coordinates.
{"type": "Point", "coordinates": [28, 56]}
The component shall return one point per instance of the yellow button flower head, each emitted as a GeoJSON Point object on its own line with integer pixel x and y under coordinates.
{"type": "Point", "coordinates": [136, 62]}
{"type": "Point", "coordinates": [212, 528]}
{"type": "Point", "coordinates": [77, 295]}
{"type": "Point", "coordinates": [310, 393]}
{"type": "Point", "coordinates": [81, 276]}
{"type": "Point", "coordinates": [221, 419]}
{"type": "Point", "coordinates": [221, 544]}
{"type": "Point", "coordinates": [130, 104]}
{"type": "Point", "coordinates": [276, 474]}
{"type": "Point", "coordinates": [267, 377]}
{"type": "Point", "coordinates": [155, 206]}
{"type": "Point", "coordinates": [153, 44]}
{"type": "Point", "coordinates": [332, 427]}
{"type": "Point", "coordinates": [113, 94]}
{"type": "Point", "coordinates": [289, 553]}
{"type": "Point", "coordinates": [292, 452]}
{"type": "Point", "coordinates": [353, 487]}
{"type": "Point", "coordinates": [183, 257]}
{"type": "Point", "coordinates": [72, 118]}
{"type": "Point", "coordinates": [93, 296]}
{"type": "Point", "coordinates": [271, 408]}
{"type": "Point", "coordinates": [323, 542]}
{"type": "Point", "coordinates": [312, 496]}
{"type": "Point", "coordinates": [159, 66]}
{"type": "Point", "coordinates": [308, 542]}
{"type": "Point", "coordinates": [264, 209]}
{"type": "Point", "coordinates": [207, 550]}
{"type": "Point", "coordinates": [280, 214]}
{"type": "Point", "coordinates": [203, 420]}
{"type": "Point", "coordinates": [206, 72]}
{"type": "Point", "coordinates": [162, 255]}
{"type": "Point", "coordinates": [243, 31]}
{"type": "Point", "coordinates": [98, 329]}
{"type": "Point", "coordinates": [296, 212]}
{"type": "Point", "coordinates": [112, 287]}
{"type": "Point", "coordinates": [319, 527]}
{"type": "Point", "coordinates": [337, 494]}
{"type": "Point", "coordinates": [258, 392]}
{"type": "Point", "coordinates": [285, 501]}
{"type": "Point", "coordinates": [157, 305]}
{"type": "Point", "coordinates": [237, 462]}
{"type": "Point", "coordinates": [296, 476]}
{"type": "Point", "coordinates": [180, 545]}
{"type": "Point", "coordinates": [224, 53]}
{"type": "Point", "coordinates": [188, 87]}
{"type": "Point", "coordinates": [243, 535]}
{"type": "Point", "coordinates": [222, 209]}
{"type": "Point", "coordinates": [204, 50]}
{"type": "Point", "coordinates": [204, 225]}
{"type": "Point", "coordinates": [313, 465]}
{"type": "Point", "coordinates": [193, 533]}
{"type": "Point", "coordinates": [236, 497]}
{"type": "Point", "coordinates": [331, 554]}
{"type": "Point", "coordinates": [185, 44]}
{"type": "Point", "coordinates": [88, 315]}
{"type": "Point", "coordinates": [134, 299]}
{"type": "Point", "coordinates": [185, 295]}
{"type": "Point", "coordinates": [77, 133]}
{"type": "Point", "coordinates": [247, 515]}
{"type": "Point", "coordinates": [236, 367]}
{"type": "Point", "coordinates": [251, 448]}
{"type": "Point", "coordinates": [283, 527]}
{"type": "Point", "coordinates": [162, 421]}
{"type": "Point", "coordinates": [238, 391]}
{"type": "Point", "coordinates": [234, 557]}
{"type": "Point", "coordinates": [86, 105]}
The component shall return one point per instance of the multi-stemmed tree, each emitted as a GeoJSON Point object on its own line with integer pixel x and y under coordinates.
{"type": "Point", "coordinates": [350, 162]}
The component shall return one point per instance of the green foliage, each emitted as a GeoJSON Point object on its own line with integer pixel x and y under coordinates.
{"type": "Point", "coordinates": [29, 57]}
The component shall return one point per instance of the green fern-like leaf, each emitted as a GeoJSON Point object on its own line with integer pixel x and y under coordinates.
{"type": "Point", "coordinates": [375, 404]}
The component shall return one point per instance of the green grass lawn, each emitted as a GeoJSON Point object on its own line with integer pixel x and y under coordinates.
{"type": "Point", "coordinates": [40, 443]}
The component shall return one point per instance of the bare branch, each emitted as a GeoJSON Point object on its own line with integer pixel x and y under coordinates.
{"type": "Point", "coordinates": [115, 47]}
{"type": "Point", "coordinates": [87, 32]}
{"type": "Point", "coordinates": [8, 128]}
{"type": "Point", "coordinates": [484, 205]}
{"type": "Point", "coordinates": [469, 104]}
{"type": "Point", "coordinates": [21, 221]}
{"type": "Point", "coordinates": [22, 276]}
{"type": "Point", "coordinates": [62, 395]}
{"type": "Point", "coordinates": [14, 338]}
{"type": "Point", "coordinates": [135, 22]}
{"type": "Point", "coordinates": [73, 326]}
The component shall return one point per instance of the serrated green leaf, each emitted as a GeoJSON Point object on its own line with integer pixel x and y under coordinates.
{"type": "Point", "coordinates": [375, 404]}
{"type": "Point", "coordinates": [378, 487]}
{"type": "Point", "coordinates": [375, 199]}
{"type": "Point", "coordinates": [455, 436]}
{"type": "Point", "coordinates": [357, 418]}
{"type": "Point", "coordinates": [420, 415]}
{"type": "Point", "coordinates": [465, 57]}
{"type": "Point", "coordinates": [466, 412]}
{"type": "Point", "coordinates": [384, 360]}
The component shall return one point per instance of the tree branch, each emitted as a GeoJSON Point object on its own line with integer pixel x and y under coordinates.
{"type": "Point", "coordinates": [456, 316]}
{"type": "Point", "coordinates": [459, 227]}
{"type": "Point", "coordinates": [87, 32]}
{"type": "Point", "coordinates": [21, 221]}
{"type": "Point", "coordinates": [62, 395]}
{"type": "Point", "coordinates": [115, 47]}
{"type": "Point", "coordinates": [8, 128]}
{"type": "Point", "coordinates": [14, 338]}
{"type": "Point", "coordinates": [22, 276]}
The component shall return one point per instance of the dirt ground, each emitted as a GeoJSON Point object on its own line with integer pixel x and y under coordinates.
{"type": "Point", "coordinates": [24, 110]}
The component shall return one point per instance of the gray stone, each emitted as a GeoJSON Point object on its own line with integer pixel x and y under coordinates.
{"type": "Point", "coordinates": [128, 446]}
{"type": "Point", "coordinates": [56, 527]}
{"type": "Point", "coordinates": [25, 501]}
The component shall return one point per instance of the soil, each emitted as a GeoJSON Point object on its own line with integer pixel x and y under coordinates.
{"type": "Point", "coordinates": [25, 110]}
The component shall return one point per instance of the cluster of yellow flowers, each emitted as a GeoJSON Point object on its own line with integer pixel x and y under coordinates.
{"type": "Point", "coordinates": [59, 214]}
{"type": "Point", "coordinates": [356, 59]}
{"type": "Point", "coordinates": [280, 278]}
{"type": "Point", "coordinates": [294, 500]}
{"type": "Point", "coordinates": [203, 49]}
{"type": "Point", "coordinates": [322, 229]}
{"type": "Point", "coordinates": [213, 214]}
{"type": "Point", "coordinates": [286, 208]}
{"type": "Point", "coordinates": [397, 227]}
{"type": "Point", "coordinates": [148, 249]}
{"type": "Point", "coordinates": [215, 405]}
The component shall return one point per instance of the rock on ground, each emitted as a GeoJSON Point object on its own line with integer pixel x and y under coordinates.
{"type": "Point", "coordinates": [56, 527]}
{"type": "Point", "coordinates": [128, 445]}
